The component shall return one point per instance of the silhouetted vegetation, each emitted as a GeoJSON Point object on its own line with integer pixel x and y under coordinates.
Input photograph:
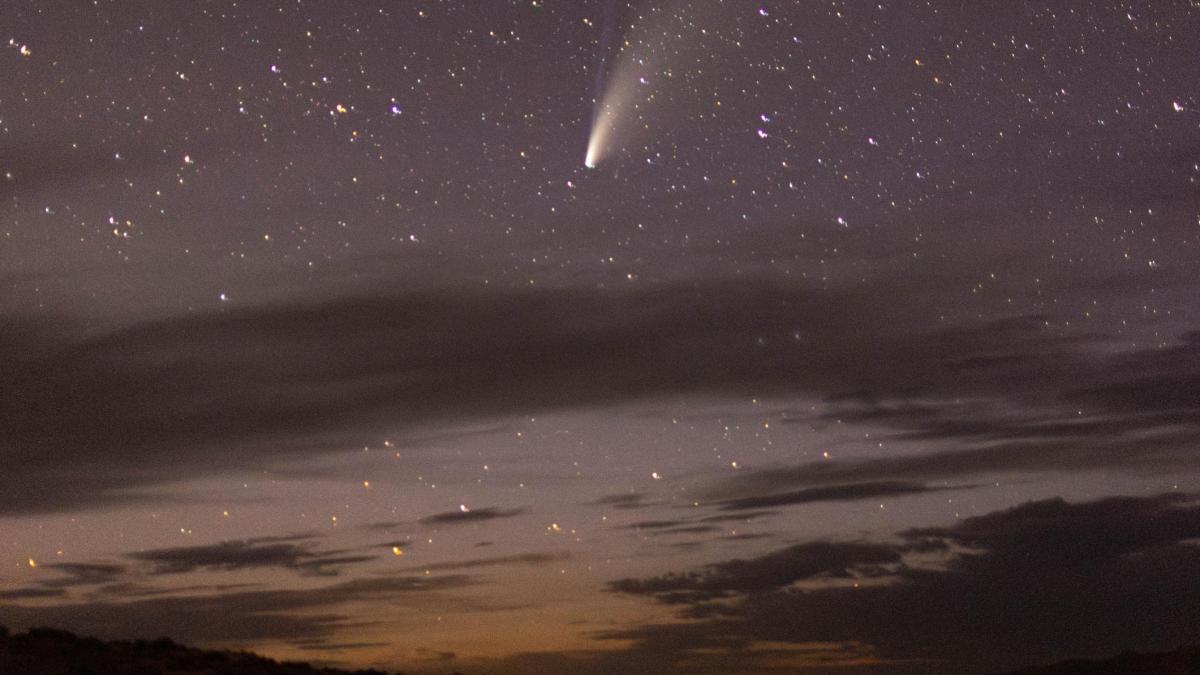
{"type": "Point", "coordinates": [46, 651]}
{"type": "Point", "coordinates": [1183, 661]}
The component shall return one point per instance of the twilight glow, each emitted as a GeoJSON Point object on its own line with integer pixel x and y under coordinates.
{"type": "Point", "coordinates": [867, 343]}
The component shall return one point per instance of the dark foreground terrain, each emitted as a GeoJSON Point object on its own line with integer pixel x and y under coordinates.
{"type": "Point", "coordinates": [1183, 661]}
{"type": "Point", "coordinates": [45, 651]}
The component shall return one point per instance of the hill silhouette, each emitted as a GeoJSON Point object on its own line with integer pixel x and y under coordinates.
{"type": "Point", "coordinates": [1182, 661]}
{"type": "Point", "coordinates": [46, 651]}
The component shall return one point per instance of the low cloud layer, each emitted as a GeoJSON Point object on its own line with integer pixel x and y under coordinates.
{"type": "Point", "coordinates": [828, 493]}
{"type": "Point", "coordinates": [291, 553]}
{"type": "Point", "coordinates": [1138, 412]}
{"type": "Point", "coordinates": [139, 405]}
{"type": "Point", "coordinates": [86, 419]}
{"type": "Point", "coordinates": [473, 516]}
{"type": "Point", "coordinates": [1038, 582]}
{"type": "Point", "coordinates": [518, 560]}
{"type": "Point", "coordinates": [310, 615]}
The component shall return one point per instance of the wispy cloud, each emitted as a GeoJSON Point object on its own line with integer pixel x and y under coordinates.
{"type": "Point", "coordinates": [1037, 582]}
{"type": "Point", "coordinates": [300, 556]}
{"type": "Point", "coordinates": [144, 404]}
{"type": "Point", "coordinates": [472, 516]}
{"type": "Point", "coordinates": [235, 617]}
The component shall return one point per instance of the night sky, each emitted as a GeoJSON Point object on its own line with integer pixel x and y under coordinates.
{"type": "Point", "coordinates": [602, 336]}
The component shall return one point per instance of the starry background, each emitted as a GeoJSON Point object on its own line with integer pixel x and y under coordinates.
{"type": "Point", "coordinates": [869, 343]}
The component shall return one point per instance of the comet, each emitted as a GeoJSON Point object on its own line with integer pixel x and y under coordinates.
{"type": "Point", "coordinates": [661, 39]}
{"type": "Point", "coordinates": [617, 100]}
{"type": "Point", "coordinates": [603, 127]}
{"type": "Point", "coordinates": [599, 132]}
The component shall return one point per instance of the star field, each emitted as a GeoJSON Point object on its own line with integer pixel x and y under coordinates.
{"type": "Point", "coordinates": [604, 335]}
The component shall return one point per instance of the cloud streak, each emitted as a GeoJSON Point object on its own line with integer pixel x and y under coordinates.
{"type": "Point", "coordinates": [236, 617]}
{"type": "Point", "coordinates": [472, 516]}
{"type": "Point", "coordinates": [249, 554]}
{"type": "Point", "coordinates": [268, 384]}
{"type": "Point", "coordinates": [1037, 582]}
{"type": "Point", "coordinates": [829, 493]}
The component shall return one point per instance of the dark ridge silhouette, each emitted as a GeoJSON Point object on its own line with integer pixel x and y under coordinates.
{"type": "Point", "coordinates": [1182, 661]}
{"type": "Point", "coordinates": [46, 651]}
